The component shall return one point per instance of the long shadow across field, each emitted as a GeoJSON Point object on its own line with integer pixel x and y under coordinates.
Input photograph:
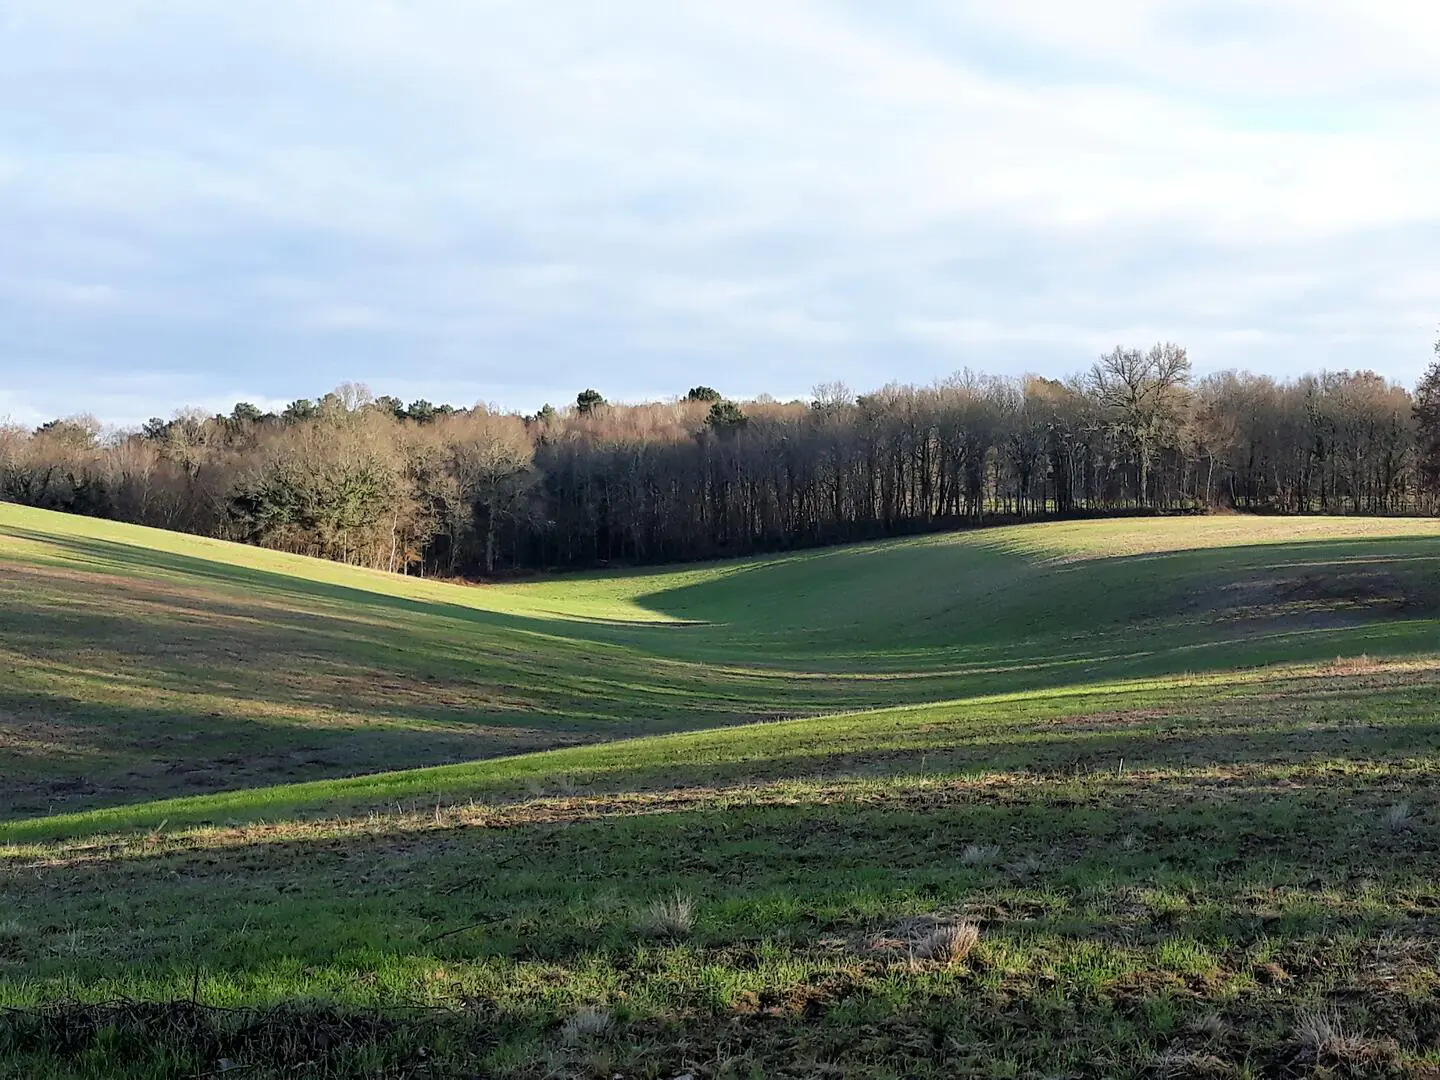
{"type": "Point", "coordinates": [1275, 721]}
{"type": "Point", "coordinates": [1124, 887]}
{"type": "Point", "coordinates": [820, 600]}
{"type": "Point", "coordinates": [842, 628]}
{"type": "Point", "coordinates": [1014, 620]}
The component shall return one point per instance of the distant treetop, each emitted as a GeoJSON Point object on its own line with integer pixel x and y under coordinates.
{"type": "Point", "coordinates": [725, 417]}
{"type": "Point", "coordinates": [245, 413]}
{"type": "Point", "coordinates": [300, 409]}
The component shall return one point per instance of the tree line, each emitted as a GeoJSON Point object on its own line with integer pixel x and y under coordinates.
{"type": "Point", "coordinates": [430, 489]}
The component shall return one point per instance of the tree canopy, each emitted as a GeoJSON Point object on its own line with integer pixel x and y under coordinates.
{"type": "Point", "coordinates": [434, 489]}
{"type": "Point", "coordinates": [587, 401]}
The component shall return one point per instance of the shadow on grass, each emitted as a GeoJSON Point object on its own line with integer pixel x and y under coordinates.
{"type": "Point", "coordinates": [350, 680]}
{"type": "Point", "coordinates": [1407, 566]}
{"type": "Point", "coordinates": [1242, 864]}
{"type": "Point", "coordinates": [1014, 598]}
{"type": "Point", "coordinates": [1122, 890]}
{"type": "Point", "coordinates": [1389, 718]}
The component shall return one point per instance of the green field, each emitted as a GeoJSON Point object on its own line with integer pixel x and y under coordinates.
{"type": "Point", "coordinates": [267, 814]}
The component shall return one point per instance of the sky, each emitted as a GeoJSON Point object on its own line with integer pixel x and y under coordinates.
{"type": "Point", "coordinates": [486, 200]}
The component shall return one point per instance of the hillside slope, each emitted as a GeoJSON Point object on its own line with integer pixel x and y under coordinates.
{"type": "Point", "coordinates": [1124, 799]}
{"type": "Point", "coordinates": [143, 664]}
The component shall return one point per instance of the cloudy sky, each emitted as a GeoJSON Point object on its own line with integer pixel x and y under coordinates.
{"type": "Point", "coordinates": [509, 201]}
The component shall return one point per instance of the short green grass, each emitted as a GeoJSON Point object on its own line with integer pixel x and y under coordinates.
{"type": "Point", "coordinates": [1180, 774]}
{"type": "Point", "coordinates": [141, 663]}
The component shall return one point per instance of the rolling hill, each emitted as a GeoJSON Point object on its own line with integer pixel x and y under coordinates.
{"type": "Point", "coordinates": [1176, 775]}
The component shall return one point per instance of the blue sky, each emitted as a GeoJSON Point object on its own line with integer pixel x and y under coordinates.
{"type": "Point", "coordinates": [484, 200]}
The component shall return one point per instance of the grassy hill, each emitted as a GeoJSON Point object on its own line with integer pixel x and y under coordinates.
{"type": "Point", "coordinates": [309, 820]}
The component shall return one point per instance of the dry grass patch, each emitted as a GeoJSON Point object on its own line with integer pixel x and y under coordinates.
{"type": "Point", "coordinates": [1181, 1064]}
{"type": "Point", "coordinates": [671, 917]}
{"type": "Point", "coordinates": [1323, 1039]}
{"type": "Point", "coordinates": [948, 943]}
{"type": "Point", "coordinates": [1210, 1026]}
{"type": "Point", "coordinates": [585, 1025]}
{"type": "Point", "coordinates": [980, 855]}
{"type": "Point", "coordinates": [411, 818]}
{"type": "Point", "coordinates": [1398, 817]}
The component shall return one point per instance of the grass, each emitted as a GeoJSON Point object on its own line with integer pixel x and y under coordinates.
{"type": "Point", "coordinates": [1111, 799]}
{"type": "Point", "coordinates": [670, 917]}
{"type": "Point", "coordinates": [586, 1024]}
{"type": "Point", "coordinates": [144, 664]}
{"type": "Point", "coordinates": [948, 943]}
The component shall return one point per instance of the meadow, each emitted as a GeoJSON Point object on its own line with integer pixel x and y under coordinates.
{"type": "Point", "coordinates": [1120, 798]}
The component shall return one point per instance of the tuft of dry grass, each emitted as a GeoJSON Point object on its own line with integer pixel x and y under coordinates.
{"type": "Point", "coordinates": [1322, 1038]}
{"type": "Point", "coordinates": [949, 943]}
{"type": "Point", "coordinates": [1352, 665]}
{"type": "Point", "coordinates": [1211, 1026]}
{"type": "Point", "coordinates": [980, 854]}
{"type": "Point", "coordinates": [1024, 867]}
{"type": "Point", "coordinates": [1398, 817]}
{"type": "Point", "coordinates": [669, 917]}
{"type": "Point", "coordinates": [589, 1023]}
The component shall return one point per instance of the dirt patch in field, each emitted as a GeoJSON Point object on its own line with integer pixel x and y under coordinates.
{"type": "Point", "coordinates": [1360, 588]}
{"type": "Point", "coordinates": [63, 780]}
{"type": "Point", "coordinates": [40, 737]}
{"type": "Point", "coordinates": [1325, 598]}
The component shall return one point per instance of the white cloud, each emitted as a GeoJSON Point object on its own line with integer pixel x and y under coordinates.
{"type": "Point", "coordinates": [14, 409]}
{"type": "Point", "coordinates": [448, 188]}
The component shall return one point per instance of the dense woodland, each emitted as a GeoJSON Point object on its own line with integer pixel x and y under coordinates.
{"type": "Point", "coordinates": [435, 490]}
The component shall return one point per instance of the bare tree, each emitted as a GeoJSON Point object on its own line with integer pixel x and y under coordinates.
{"type": "Point", "coordinates": [433, 488]}
{"type": "Point", "coordinates": [492, 459]}
{"type": "Point", "coordinates": [1144, 392]}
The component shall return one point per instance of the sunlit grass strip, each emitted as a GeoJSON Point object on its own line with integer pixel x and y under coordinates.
{"type": "Point", "coordinates": [900, 727]}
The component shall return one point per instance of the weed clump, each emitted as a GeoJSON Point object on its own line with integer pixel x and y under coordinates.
{"type": "Point", "coordinates": [1398, 818]}
{"type": "Point", "coordinates": [979, 854]}
{"type": "Point", "coordinates": [1211, 1026]}
{"type": "Point", "coordinates": [670, 917]}
{"type": "Point", "coordinates": [588, 1023]}
{"type": "Point", "coordinates": [1323, 1039]}
{"type": "Point", "coordinates": [948, 944]}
